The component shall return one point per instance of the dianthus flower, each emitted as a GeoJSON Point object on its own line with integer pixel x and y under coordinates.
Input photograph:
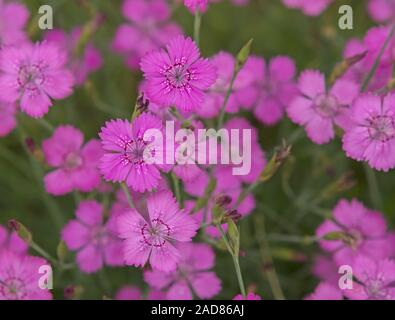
{"type": "Point", "coordinates": [381, 10]}
{"type": "Point", "coordinates": [308, 7]}
{"type": "Point", "coordinates": [13, 18]}
{"type": "Point", "coordinates": [12, 242]}
{"type": "Point", "coordinates": [76, 165]}
{"type": "Point", "coordinates": [7, 118]}
{"type": "Point", "coordinates": [325, 291]}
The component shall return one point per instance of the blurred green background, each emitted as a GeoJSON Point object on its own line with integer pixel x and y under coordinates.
{"type": "Point", "coordinates": [292, 203]}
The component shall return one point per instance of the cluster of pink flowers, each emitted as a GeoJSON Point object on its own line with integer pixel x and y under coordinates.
{"type": "Point", "coordinates": [308, 7]}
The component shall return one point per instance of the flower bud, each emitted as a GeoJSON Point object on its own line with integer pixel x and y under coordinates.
{"type": "Point", "coordinates": [21, 230]}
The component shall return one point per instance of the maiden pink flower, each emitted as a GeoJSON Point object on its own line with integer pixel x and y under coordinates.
{"type": "Point", "coordinates": [273, 88]}
{"type": "Point", "coordinates": [32, 74]}
{"type": "Point", "coordinates": [250, 296]}
{"type": "Point", "coordinates": [365, 233]}
{"type": "Point", "coordinates": [155, 236]}
{"type": "Point", "coordinates": [148, 29]}
{"type": "Point", "coordinates": [193, 272]}
{"type": "Point", "coordinates": [13, 19]}
{"type": "Point", "coordinates": [371, 134]}
{"type": "Point", "coordinates": [325, 291]}
{"type": "Point", "coordinates": [375, 279]}
{"type": "Point", "coordinates": [178, 76]}
{"type": "Point", "coordinates": [318, 109]}
{"type": "Point", "coordinates": [19, 277]}
{"type": "Point", "coordinates": [12, 242]}
{"type": "Point", "coordinates": [96, 243]}
{"type": "Point", "coordinates": [126, 150]}
{"type": "Point", "coordinates": [309, 7]}
{"type": "Point", "coordinates": [7, 118]}
{"type": "Point", "coordinates": [381, 10]}
{"type": "Point", "coordinates": [90, 59]}
{"type": "Point", "coordinates": [194, 5]}
{"type": "Point", "coordinates": [76, 165]}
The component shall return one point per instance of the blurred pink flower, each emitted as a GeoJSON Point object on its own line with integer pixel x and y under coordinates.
{"type": "Point", "coordinates": [148, 29]}
{"type": "Point", "coordinates": [13, 19]}
{"type": "Point", "coordinates": [365, 231]}
{"type": "Point", "coordinates": [96, 243]}
{"type": "Point", "coordinates": [90, 59]}
{"type": "Point", "coordinates": [250, 296]}
{"type": "Point", "coordinates": [325, 291]}
{"type": "Point", "coordinates": [154, 237]}
{"type": "Point", "coordinates": [381, 10]}
{"type": "Point", "coordinates": [318, 109]}
{"type": "Point", "coordinates": [76, 165]}
{"type": "Point", "coordinates": [19, 277]}
{"type": "Point", "coordinates": [194, 5]}
{"type": "Point", "coordinates": [125, 150]}
{"type": "Point", "coordinates": [273, 89]}
{"type": "Point", "coordinates": [33, 74]}
{"type": "Point", "coordinates": [7, 118]}
{"type": "Point", "coordinates": [375, 279]}
{"type": "Point", "coordinates": [215, 95]}
{"type": "Point", "coordinates": [371, 134]}
{"type": "Point", "coordinates": [12, 242]}
{"type": "Point", "coordinates": [193, 272]}
{"type": "Point", "coordinates": [308, 7]}
{"type": "Point", "coordinates": [178, 75]}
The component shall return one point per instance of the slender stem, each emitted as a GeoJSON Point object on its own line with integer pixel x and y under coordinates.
{"type": "Point", "coordinates": [196, 27]}
{"type": "Point", "coordinates": [45, 124]}
{"type": "Point", "coordinates": [227, 96]}
{"type": "Point", "coordinates": [375, 65]}
{"type": "Point", "coordinates": [127, 194]}
{"type": "Point", "coordinates": [235, 261]}
{"type": "Point", "coordinates": [177, 190]}
{"type": "Point", "coordinates": [53, 208]}
{"type": "Point", "coordinates": [373, 186]}
{"type": "Point", "coordinates": [267, 259]}
{"type": "Point", "coordinates": [43, 253]}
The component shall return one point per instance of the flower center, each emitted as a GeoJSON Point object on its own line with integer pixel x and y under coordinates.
{"type": "Point", "coordinates": [381, 128]}
{"type": "Point", "coordinates": [30, 77]}
{"type": "Point", "coordinates": [73, 161]}
{"type": "Point", "coordinates": [13, 289]}
{"type": "Point", "coordinates": [99, 236]}
{"type": "Point", "coordinates": [156, 234]}
{"type": "Point", "coordinates": [178, 75]}
{"type": "Point", "coordinates": [375, 290]}
{"type": "Point", "coordinates": [326, 105]}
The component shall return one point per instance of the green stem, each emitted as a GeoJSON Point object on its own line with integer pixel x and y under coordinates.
{"type": "Point", "coordinates": [43, 253]}
{"type": "Point", "coordinates": [176, 183]}
{"type": "Point", "coordinates": [227, 96]}
{"type": "Point", "coordinates": [235, 261]}
{"type": "Point", "coordinates": [375, 65]}
{"type": "Point", "coordinates": [127, 194]}
{"type": "Point", "coordinates": [373, 186]}
{"type": "Point", "coordinates": [196, 27]}
{"type": "Point", "coordinates": [45, 124]}
{"type": "Point", "coordinates": [267, 259]}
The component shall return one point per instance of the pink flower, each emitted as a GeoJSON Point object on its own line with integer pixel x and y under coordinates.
{"type": "Point", "coordinates": [309, 7]}
{"type": "Point", "coordinates": [7, 118]}
{"type": "Point", "coordinates": [134, 293]}
{"type": "Point", "coordinates": [194, 5]}
{"type": "Point", "coordinates": [365, 233]}
{"type": "Point", "coordinates": [76, 165]}
{"type": "Point", "coordinates": [33, 74]}
{"type": "Point", "coordinates": [371, 46]}
{"type": "Point", "coordinates": [250, 296]}
{"type": "Point", "coordinates": [90, 59]}
{"type": "Point", "coordinates": [325, 291]}
{"type": "Point", "coordinates": [381, 10]}
{"type": "Point", "coordinates": [178, 76]}
{"type": "Point", "coordinates": [148, 29]}
{"type": "Point", "coordinates": [371, 135]}
{"type": "Point", "coordinates": [126, 150]}
{"type": "Point", "coordinates": [154, 237]}
{"type": "Point", "coordinates": [13, 17]}
{"type": "Point", "coordinates": [12, 242]}
{"type": "Point", "coordinates": [318, 109]}
{"type": "Point", "coordinates": [19, 277]}
{"type": "Point", "coordinates": [272, 90]}
{"type": "Point", "coordinates": [215, 95]}
{"type": "Point", "coordinates": [193, 272]}
{"type": "Point", "coordinates": [96, 243]}
{"type": "Point", "coordinates": [375, 279]}
{"type": "Point", "coordinates": [325, 269]}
